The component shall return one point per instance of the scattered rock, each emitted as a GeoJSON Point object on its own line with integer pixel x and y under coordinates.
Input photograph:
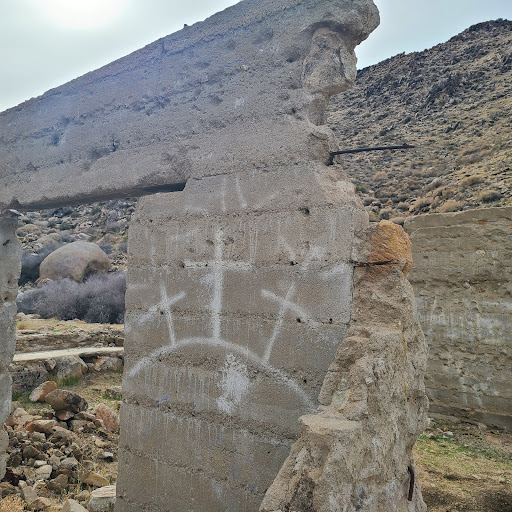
{"type": "Point", "coordinates": [109, 417]}
{"type": "Point", "coordinates": [114, 392]}
{"type": "Point", "coordinates": [72, 506]}
{"type": "Point", "coordinates": [102, 499]}
{"type": "Point", "coordinates": [94, 479]}
{"type": "Point", "coordinates": [71, 366]}
{"type": "Point", "coordinates": [61, 399]}
{"type": "Point", "coordinates": [59, 484]}
{"type": "Point", "coordinates": [44, 426]}
{"type": "Point", "coordinates": [40, 504]}
{"type": "Point", "coordinates": [108, 456]}
{"type": "Point", "coordinates": [29, 494]}
{"type": "Point", "coordinates": [39, 394]}
{"type": "Point", "coordinates": [108, 363]}
{"type": "Point", "coordinates": [44, 472]}
{"type": "Point", "coordinates": [6, 489]}
{"type": "Point", "coordinates": [64, 415]}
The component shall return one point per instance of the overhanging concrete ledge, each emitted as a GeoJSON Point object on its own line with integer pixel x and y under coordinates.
{"type": "Point", "coordinates": [245, 89]}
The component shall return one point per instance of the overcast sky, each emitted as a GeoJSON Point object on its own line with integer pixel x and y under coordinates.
{"type": "Point", "coordinates": [45, 43]}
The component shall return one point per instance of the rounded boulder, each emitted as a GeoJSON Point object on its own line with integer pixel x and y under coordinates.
{"type": "Point", "coordinates": [75, 261]}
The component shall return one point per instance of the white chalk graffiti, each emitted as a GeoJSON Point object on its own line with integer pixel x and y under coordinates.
{"type": "Point", "coordinates": [235, 382]}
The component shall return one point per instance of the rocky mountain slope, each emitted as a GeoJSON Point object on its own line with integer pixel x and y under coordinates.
{"type": "Point", "coordinates": [454, 103]}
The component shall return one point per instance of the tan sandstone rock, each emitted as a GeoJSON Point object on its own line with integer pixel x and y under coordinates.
{"type": "Point", "coordinates": [74, 261]}
{"type": "Point", "coordinates": [39, 394]}
{"type": "Point", "coordinates": [109, 417]}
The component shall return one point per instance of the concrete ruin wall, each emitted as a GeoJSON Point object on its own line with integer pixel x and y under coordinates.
{"type": "Point", "coordinates": [244, 287]}
{"type": "Point", "coordinates": [10, 265]}
{"type": "Point", "coordinates": [462, 278]}
{"type": "Point", "coordinates": [251, 293]}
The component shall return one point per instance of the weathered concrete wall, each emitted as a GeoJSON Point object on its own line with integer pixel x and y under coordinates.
{"type": "Point", "coordinates": [245, 89]}
{"type": "Point", "coordinates": [462, 278]}
{"type": "Point", "coordinates": [251, 294]}
{"type": "Point", "coordinates": [10, 254]}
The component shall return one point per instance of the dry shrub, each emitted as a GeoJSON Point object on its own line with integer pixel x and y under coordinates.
{"type": "Point", "coordinates": [100, 299]}
{"type": "Point", "coordinates": [12, 504]}
{"type": "Point", "coordinates": [488, 196]}
{"type": "Point", "coordinates": [420, 204]}
{"type": "Point", "coordinates": [403, 206]}
{"type": "Point", "coordinates": [451, 206]}
{"type": "Point", "coordinates": [473, 157]}
{"type": "Point", "coordinates": [398, 220]}
{"type": "Point", "coordinates": [380, 176]}
{"type": "Point", "coordinates": [385, 213]}
{"type": "Point", "coordinates": [470, 181]}
{"type": "Point", "coordinates": [440, 191]}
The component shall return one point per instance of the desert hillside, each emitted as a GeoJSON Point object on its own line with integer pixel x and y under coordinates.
{"type": "Point", "coordinates": [454, 103]}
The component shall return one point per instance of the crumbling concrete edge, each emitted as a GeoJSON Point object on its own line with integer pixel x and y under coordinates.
{"type": "Point", "coordinates": [10, 266]}
{"type": "Point", "coordinates": [355, 453]}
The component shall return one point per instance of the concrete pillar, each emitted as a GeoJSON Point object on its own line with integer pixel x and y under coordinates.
{"type": "Point", "coordinates": [10, 254]}
{"type": "Point", "coordinates": [239, 294]}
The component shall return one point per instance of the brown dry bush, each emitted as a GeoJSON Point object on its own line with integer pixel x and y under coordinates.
{"type": "Point", "coordinates": [12, 504]}
{"type": "Point", "coordinates": [488, 196]}
{"type": "Point", "coordinates": [420, 204]}
{"type": "Point", "coordinates": [380, 176]}
{"type": "Point", "coordinates": [469, 181]}
{"type": "Point", "coordinates": [451, 206]}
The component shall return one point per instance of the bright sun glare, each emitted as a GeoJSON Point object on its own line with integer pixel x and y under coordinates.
{"type": "Point", "coordinates": [82, 14]}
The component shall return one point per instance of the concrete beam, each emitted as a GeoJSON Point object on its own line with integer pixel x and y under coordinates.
{"type": "Point", "coordinates": [245, 89]}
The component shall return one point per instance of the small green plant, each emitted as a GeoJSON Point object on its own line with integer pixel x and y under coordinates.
{"type": "Point", "coordinates": [65, 381]}
{"type": "Point", "coordinates": [20, 396]}
{"type": "Point", "coordinates": [361, 188]}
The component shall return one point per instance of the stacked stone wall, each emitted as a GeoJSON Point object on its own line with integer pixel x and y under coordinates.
{"type": "Point", "coordinates": [462, 278]}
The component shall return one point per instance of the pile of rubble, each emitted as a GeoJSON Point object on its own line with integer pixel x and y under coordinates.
{"type": "Point", "coordinates": [56, 454]}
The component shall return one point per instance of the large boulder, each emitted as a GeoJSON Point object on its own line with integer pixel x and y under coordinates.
{"type": "Point", "coordinates": [75, 261]}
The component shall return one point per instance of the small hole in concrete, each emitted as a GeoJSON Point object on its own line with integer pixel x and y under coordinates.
{"type": "Point", "coordinates": [305, 211]}
{"type": "Point", "coordinates": [182, 264]}
{"type": "Point", "coordinates": [299, 320]}
{"type": "Point", "coordinates": [305, 381]}
{"type": "Point", "coordinates": [330, 320]}
{"type": "Point", "coordinates": [293, 263]}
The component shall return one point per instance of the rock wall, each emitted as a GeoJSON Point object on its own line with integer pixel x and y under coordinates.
{"type": "Point", "coordinates": [462, 278]}
{"type": "Point", "coordinates": [355, 453]}
{"type": "Point", "coordinates": [10, 254]}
